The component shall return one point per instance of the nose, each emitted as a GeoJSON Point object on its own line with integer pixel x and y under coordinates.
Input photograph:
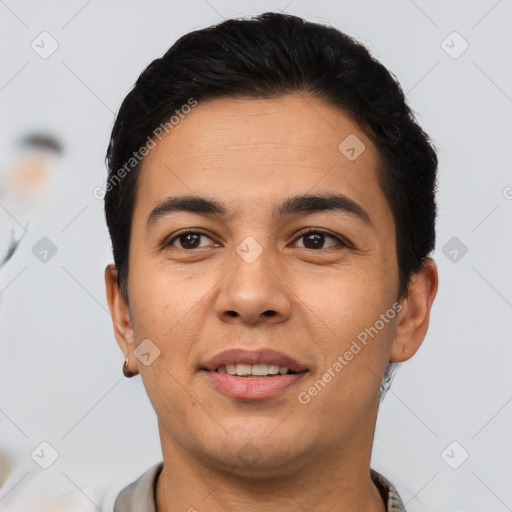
{"type": "Point", "coordinates": [254, 292]}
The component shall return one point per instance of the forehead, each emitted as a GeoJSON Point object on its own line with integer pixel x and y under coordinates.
{"type": "Point", "coordinates": [242, 150]}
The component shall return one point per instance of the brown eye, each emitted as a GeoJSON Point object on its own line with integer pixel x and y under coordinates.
{"type": "Point", "coordinates": [315, 239]}
{"type": "Point", "coordinates": [188, 240]}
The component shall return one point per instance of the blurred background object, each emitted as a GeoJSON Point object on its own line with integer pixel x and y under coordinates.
{"type": "Point", "coordinates": [23, 183]}
{"type": "Point", "coordinates": [5, 467]}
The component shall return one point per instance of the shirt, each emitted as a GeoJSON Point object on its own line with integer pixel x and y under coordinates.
{"type": "Point", "coordinates": [139, 496]}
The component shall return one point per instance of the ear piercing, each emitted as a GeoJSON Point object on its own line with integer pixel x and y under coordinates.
{"type": "Point", "coordinates": [126, 371]}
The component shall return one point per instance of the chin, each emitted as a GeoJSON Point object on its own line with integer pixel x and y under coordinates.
{"type": "Point", "coordinates": [252, 462]}
{"type": "Point", "coordinates": [256, 452]}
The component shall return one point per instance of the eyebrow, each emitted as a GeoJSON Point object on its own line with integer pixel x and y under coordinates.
{"type": "Point", "coordinates": [296, 205]}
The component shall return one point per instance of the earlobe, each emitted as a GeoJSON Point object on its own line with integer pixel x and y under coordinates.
{"type": "Point", "coordinates": [413, 319]}
{"type": "Point", "coordinates": [120, 312]}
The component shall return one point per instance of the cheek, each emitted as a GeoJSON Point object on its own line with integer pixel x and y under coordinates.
{"type": "Point", "coordinates": [162, 300]}
{"type": "Point", "coordinates": [344, 304]}
{"type": "Point", "coordinates": [167, 312]}
{"type": "Point", "coordinates": [162, 314]}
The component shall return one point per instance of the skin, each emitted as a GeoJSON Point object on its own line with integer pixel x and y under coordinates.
{"type": "Point", "coordinates": [251, 155]}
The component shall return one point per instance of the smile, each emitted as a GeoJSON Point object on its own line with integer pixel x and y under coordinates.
{"type": "Point", "coordinates": [252, 374]}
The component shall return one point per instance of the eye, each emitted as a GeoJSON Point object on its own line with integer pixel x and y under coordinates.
{"type": "Point", "coordinates": [315, 239]}
{"type": "Point", "coordinates": [188, 240]}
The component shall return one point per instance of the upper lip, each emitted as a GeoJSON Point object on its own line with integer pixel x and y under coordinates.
{"type": "Point", "coordinates": [262, 356]}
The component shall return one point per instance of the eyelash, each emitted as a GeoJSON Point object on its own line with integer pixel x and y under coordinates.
{"type": "Point", "coordinates": [341, 241]}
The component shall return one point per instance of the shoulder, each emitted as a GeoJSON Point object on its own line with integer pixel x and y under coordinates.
{"type": "Point", "coordinates": [140, 494]}
{"type": "Point", "coordinates": [388, 492]}
{"type": "Point", "coordinates": [40, 492]}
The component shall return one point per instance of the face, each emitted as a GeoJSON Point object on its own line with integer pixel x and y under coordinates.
{"type": "Point", "coordinates": [263, 276]}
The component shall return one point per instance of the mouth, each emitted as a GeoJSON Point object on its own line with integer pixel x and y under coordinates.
{"type": "Point", "coordinates": [253, 375]}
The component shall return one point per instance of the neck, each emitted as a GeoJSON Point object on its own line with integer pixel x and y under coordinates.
{"type": "Point", "coordinates": [336, 481]}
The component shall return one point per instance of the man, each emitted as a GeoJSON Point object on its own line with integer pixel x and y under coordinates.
{"type": "Point", "coordinates": [271, 204]}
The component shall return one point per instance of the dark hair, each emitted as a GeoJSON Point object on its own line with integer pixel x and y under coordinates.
{"type": "Point", "coordinates": [268, 56]}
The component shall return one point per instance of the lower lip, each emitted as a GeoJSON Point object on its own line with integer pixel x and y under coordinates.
{"type": "Point", "coordinates": [252, 389]}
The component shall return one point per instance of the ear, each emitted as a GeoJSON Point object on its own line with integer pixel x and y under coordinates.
{"type": "Point", "coordinates": [413, 318]}
{"type": "Point", "coordinates": [121, 319]}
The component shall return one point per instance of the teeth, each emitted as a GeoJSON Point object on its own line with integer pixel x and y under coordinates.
{"type": "Point", "coordinates": [243, 369]}
{"type": "Point", "coordinates": [259, 370]}
{"type": "Point", "coordinates": [273, 369]}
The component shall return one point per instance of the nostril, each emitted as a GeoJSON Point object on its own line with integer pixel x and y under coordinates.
{"type": "Point", "coordinates": [232, 313]}
{"type": "Point", "coordinates": [270, 313]}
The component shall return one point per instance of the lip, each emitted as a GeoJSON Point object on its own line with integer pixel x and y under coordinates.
{"type": "Point", "coordinates": [260, 388]}
{"type": "Point", "coordinates": [261, 356]}
{"type": "Point", "coordinates": [244, 388]}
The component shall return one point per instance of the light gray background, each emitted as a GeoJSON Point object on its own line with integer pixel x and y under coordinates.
{"type": "Point", "coordinates": [60, 367]}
